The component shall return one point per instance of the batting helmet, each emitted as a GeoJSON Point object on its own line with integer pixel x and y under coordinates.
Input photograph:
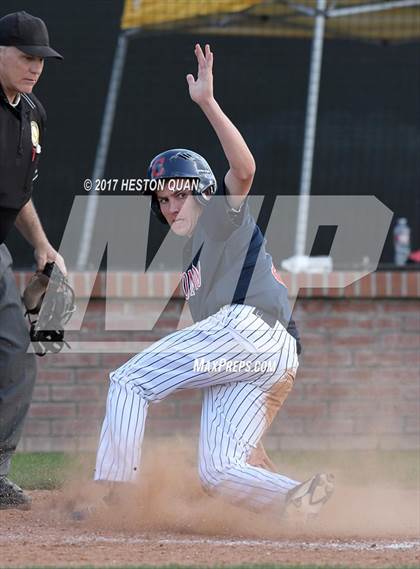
{"type": "Point", "coordinates": [182, 163]}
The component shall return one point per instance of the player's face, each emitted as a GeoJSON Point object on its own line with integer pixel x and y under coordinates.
{"type": "Point", "coordinates": [179, 207]}
{"type": "Point", "coordinates": [19, 72]}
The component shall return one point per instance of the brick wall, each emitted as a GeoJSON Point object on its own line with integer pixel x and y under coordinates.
{"type": "Point", "coordinates": [358, 384]}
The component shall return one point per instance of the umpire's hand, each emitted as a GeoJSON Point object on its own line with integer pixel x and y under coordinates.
{"type": "Point", "coordinates": [46, 253]}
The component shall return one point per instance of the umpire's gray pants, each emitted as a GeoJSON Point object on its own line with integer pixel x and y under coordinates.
{"type": "Point", "coordinates": [17, 368]}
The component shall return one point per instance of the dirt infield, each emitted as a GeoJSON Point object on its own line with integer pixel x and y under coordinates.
{"type": "Point", "coordinates": [168, 518]}
{"type": "Point", "coordinates": [45, 536]}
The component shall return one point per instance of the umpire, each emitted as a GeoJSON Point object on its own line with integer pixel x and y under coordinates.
{"type": "Point", "coordinates": [24, 44]}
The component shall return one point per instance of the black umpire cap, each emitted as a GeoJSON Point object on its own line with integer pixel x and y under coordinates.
{"type": "Point", "coordinates": [27, 33]}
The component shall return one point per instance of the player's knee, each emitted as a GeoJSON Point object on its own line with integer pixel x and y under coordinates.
{"type": "Point", "coordinates": [125, 381]}
{"type": "Point", "coordinates": [212, 474]}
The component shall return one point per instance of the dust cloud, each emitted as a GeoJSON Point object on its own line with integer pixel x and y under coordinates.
{"type": "Point", "coordinates": [169, 498]}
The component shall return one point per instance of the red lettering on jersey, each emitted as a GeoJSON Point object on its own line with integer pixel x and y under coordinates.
{"type": "Point", "coordinates": [277, 276]}
{"type": "Point", "coordinates": [191, 281]}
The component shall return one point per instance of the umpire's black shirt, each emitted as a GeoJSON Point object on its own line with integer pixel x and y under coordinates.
{"type": "Point", "coordinates": [22, 131]}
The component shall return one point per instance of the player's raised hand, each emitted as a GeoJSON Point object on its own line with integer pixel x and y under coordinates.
{"type": "Point", "coordinates": [201, 89]}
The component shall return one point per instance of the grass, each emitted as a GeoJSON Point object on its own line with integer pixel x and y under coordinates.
{"type": "Point", "coordinates": [48, 471]}
{"type": "Point", "coordinates": [41, 471]}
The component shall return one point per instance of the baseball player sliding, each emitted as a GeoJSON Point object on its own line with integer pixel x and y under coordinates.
{"type": "Point", "coordinates": [242, 351]}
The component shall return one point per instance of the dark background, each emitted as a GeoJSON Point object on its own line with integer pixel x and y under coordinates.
{"type": "Point", "coordinates": [368, 138]}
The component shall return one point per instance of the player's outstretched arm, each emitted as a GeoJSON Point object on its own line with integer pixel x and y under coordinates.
{"type": "Point", "coordinates": [241, 162]}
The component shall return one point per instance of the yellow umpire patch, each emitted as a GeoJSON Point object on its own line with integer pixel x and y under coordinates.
{"type": "Point", "coordinates": [35, 133]}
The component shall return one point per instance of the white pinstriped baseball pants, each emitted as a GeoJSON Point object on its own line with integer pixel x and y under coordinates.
{"type": "Point", "coordinates": [238, 406]}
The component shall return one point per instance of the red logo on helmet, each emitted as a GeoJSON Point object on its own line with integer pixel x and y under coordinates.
{"type": "Point", "coordinates": [157, 168]}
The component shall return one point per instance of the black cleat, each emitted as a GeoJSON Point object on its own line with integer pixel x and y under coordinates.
{"type": "Point", "coordinates": [11, 496]}
{"type": "Point", "coordinates": [83, 513]}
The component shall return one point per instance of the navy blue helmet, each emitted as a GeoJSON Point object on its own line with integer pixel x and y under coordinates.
{"type": "Point", "coordinates": [182, 163]}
